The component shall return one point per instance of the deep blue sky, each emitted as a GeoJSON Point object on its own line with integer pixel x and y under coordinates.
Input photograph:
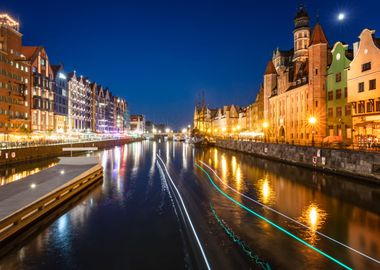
{"type": "Point", "coordinates": [161, 54]}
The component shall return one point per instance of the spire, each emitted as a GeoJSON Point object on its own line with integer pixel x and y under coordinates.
{"type": "Point", "coordinates": [302, 18]}
{"type": "Point", "coordinates": [270, 68]}
{"type": "Point", "coordinates": [318, 35]}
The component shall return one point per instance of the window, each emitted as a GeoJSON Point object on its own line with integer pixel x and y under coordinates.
{"type": "Point", "coordinates": [338, 93]}
{"type": "Point", "coordinates": [348, 110]}
{"type": "Point", "coordinates": [330, 95]}
{"type": "Point", "coordinates": [338, 77]}
{"type": "Point", "coordinates": [361, 87]}
{"type": "Point", "coordinates": [378, 105]}
{"type": "Point", "coordinates": [338, 111]}
{"type": "Point", "coordinates": [43, 62]}
{"type": "Point", "coordinates": [345, 92]}
{"type": "Point", "coordinates": [361, 107]}
{"type": "Point", "coordinates": [330, 112]}
{"type": "Point", "coordinates": [316, 71]}
{"type": "Point", "coordinates": [372, 84]}
{"type": "Point", "coordinates": [366, 66]}
{"type": "Point", "coordinates": [370, 106]}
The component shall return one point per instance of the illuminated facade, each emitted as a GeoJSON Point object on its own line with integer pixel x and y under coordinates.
{"type": "Point", "coordinates": [226, 120]}
{"type": "Point", "coordinates": [295, 86]}
{"type": "Point", "coordinates": [339, 121]}
{"type": "Point", "coordinates": [61, 120]}
{"type": "Point", "coordinates": [42, 94]}
{"type": "Point", "coordinates": [79, 103]}
{"type": "Point", "coordinates": [137, 123]}
{"type": "Point", "coordinates": [14, 79]}
{"type": "Point", "coordinates": [120, 115]}
{"type": "Point", "coordinates": [363, 91]}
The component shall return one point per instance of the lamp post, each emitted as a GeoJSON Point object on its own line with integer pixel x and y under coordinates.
{"type": "Point", "coordinates": [312, 121]}
{"type": "Point", "coordinates": [265, 127]}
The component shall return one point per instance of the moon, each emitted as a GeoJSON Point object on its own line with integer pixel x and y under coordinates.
{"type": "Point", "coordinates": [341, 16]}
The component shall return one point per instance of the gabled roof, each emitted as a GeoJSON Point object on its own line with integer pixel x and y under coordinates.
{"type": "Point", "coordinates": [270, 68]}
{"type": "Point", "coordinates": [29, 51]}
{"type": "Point", "coordinates": [318, 35]}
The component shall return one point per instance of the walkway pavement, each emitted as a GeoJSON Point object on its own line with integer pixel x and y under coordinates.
{"type": "Point", "coordinates": [16, 195]}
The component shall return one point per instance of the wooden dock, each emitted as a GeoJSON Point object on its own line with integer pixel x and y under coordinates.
{"type": "Point", "coordinates": [29, 199]}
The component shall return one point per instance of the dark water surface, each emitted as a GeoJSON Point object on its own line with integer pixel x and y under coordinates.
{"type": "Point", "coordinates": [129, 222]}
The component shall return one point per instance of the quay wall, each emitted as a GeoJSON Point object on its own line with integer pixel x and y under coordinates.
{"type": "Point", "coordinates": [18, 155]}
{"type": "Point", "coordinates": [359, 164]}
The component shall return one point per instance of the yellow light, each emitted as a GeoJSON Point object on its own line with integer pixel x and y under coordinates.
{"type": "Point", "coordinates": [224, 129]}
{"type": "Point", "coordinates": [312, 120]}
{"type": "Point", "coordinates": [184, 130]}
{"type": "Point", "coordinates": [265, 124]}
{"type": "Point", "coordinates": [234, 163]}
{"type": "Point", "coordinates": [313, 216]}
{"type": "Point", "coordinates": [33, 185]}
{"type": "Point", "coordinates": [238, 127]}
{"type": "Point", "coordinates": [266, 190]}
{"type": "Point", "coordinates": [167, 130]}
{"type": "Point", "coordinates": [233, 129]}
{"type": "Point", "coordinates": [216, 130]}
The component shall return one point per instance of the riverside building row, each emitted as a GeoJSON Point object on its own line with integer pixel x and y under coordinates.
{"type": "Point", "coordinates": [37, 96]}
{"type": "Point", "coordinates": [312, 93]}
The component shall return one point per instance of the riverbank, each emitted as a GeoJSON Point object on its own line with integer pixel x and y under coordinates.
{"type": "Point", "coordinates": [363, 165]}
{"type": "Point", "coordinates": [18, 155]}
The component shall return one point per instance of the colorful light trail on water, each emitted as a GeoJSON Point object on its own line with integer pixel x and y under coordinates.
{"type": "Point", "coordinates": [271, 222]}
{"type": "Point", "coordinates": [314, 230]}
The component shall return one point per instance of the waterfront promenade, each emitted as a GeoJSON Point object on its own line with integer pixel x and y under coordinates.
{"type": "Point", "coordinates": [23, 202]}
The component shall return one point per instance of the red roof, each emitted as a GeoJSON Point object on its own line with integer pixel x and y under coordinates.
{"type": "Point", "coordinates": [318, 35]}
{"type": "Point", "coordinates": [29, 51]}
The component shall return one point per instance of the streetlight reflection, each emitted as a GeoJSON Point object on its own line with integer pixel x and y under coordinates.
{"type": "Point", "coordinates": [314, 217]}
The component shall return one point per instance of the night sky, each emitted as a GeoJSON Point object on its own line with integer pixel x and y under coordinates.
{"type": "Point", "coordinates": [160, 55]}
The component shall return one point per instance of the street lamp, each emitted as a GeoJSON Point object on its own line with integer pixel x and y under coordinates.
{"type": "Point", "coordinates": [312, 121]}
{"type": "Point", "coordinates": [265, 127]}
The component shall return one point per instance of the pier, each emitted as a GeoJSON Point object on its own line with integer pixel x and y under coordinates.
{"type": "Point", "coordinates": [26, 201]}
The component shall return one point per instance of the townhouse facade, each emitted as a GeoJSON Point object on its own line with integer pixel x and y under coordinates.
{"type": "Point", "coordinates": [42, 93]}
{"type": "Point", "coordinates": [339, 120]}
{"type": "Point", "coordinates": [60, 88]}
{"type": "Point", "coordinates": [363, 79]}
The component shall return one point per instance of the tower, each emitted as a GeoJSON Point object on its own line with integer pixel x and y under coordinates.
{"type": "Point", "coordinates": [301, 34]}
{"type": "Point", "coordinates": [270, 84]}
{"type": "Point", "coordinates": [318, 51]}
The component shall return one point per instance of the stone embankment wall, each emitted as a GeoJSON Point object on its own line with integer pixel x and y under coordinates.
{"type": "Point", "coordinates": [360, 164]}
{"type": "Point", "coordinates": [17, 155]}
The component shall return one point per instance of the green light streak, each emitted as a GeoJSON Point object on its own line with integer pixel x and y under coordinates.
{"type": "Point", "coordinates": [243, 246]}
{"type": "Point", "coordinates": [272, 223]}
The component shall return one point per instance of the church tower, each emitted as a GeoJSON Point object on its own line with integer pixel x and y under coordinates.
{"type": "Point", "coordinates": [301, 35]}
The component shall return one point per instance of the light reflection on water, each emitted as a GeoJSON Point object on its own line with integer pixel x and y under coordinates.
{"type": "Point", "coordinates": [330, 204]}
{"type": "Point", "coordinates": [326, 203]}
{"type": "Point", "coordinates": [16, 172]}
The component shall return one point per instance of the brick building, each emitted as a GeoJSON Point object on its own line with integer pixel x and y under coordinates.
{"type": "Point", "coordinates": [42, 94]}
{"type": "Point", "coordinates": [14, 80]}
{"type": "Point", "coordinates": [295, 86]}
